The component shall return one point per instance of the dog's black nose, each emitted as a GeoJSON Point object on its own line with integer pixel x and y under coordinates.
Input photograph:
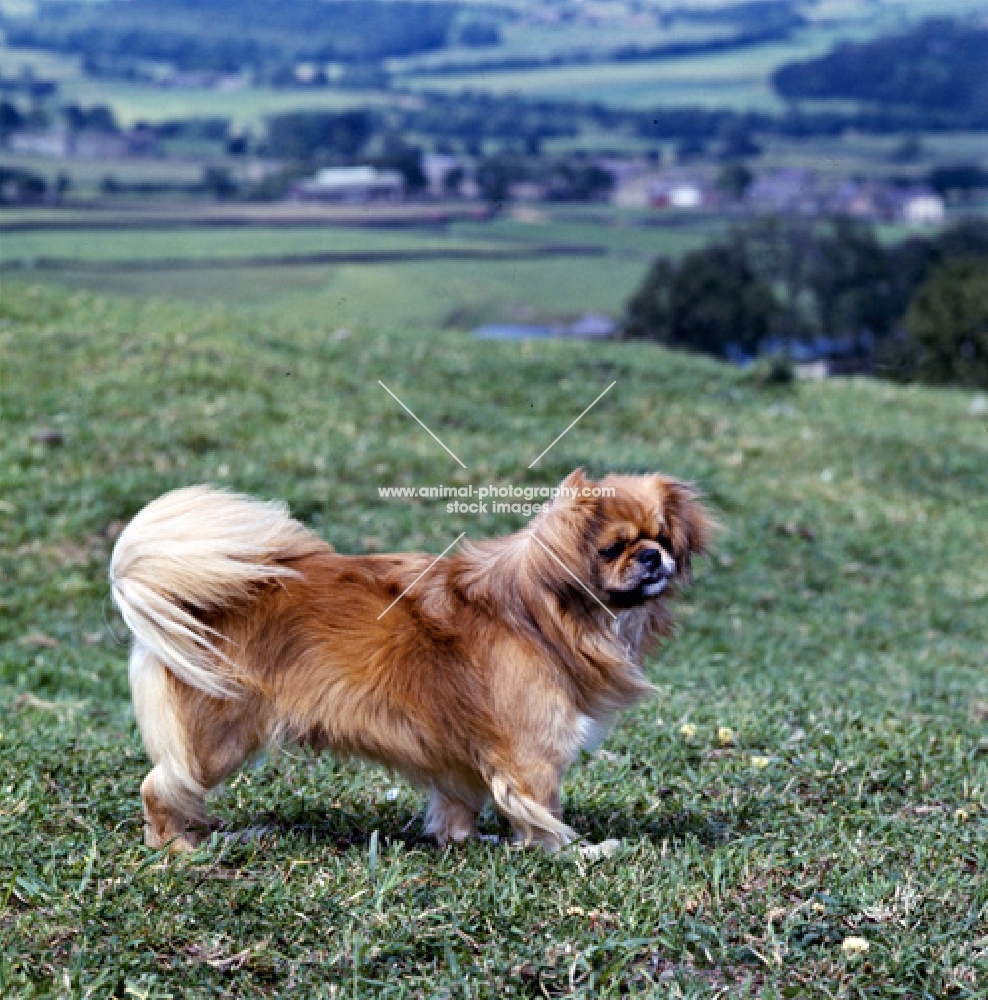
{"type": "Point", "coordinates": [653, 561]}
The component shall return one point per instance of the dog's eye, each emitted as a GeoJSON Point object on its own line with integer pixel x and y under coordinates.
{"type": "Point", "coordinates": [613, 550]}
{"type": "Point", "coordinates": [664, 542]}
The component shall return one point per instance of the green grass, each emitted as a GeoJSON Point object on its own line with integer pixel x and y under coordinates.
{"type": "Point", "coordinates": [205, 243]}
{"type": "Point", "coordinates": [838, 631]}
{"type": "Point", "coordinates": [410, 296]}
{"type": "Point", "coordinates": [87, 175]}
{"type": "Point", "coordinates": [733, 79]}
{"type": "Point", "coordinates": [402, 298]}
{"type": "Point", "coordinates": [246, 108]}
{"type": "Point", "coordinates": [528, 40]}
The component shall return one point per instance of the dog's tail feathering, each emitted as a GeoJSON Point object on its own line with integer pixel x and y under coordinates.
{"type": "Point", "coordinates": [192, 552]}
{"type": "Point", "coordinates": [533, 821]}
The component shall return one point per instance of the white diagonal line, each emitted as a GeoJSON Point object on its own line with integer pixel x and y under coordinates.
{"type": "Point", "coordinates": [426, 429]}
{"type": "Point", "coordinates": [578, 419]}
{"type": "Point", "coordinates": [419, 577]}
{"type": "Point", "coordinates": [575, 577]}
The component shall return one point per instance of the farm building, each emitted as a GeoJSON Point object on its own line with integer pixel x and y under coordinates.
{"type": "Point", "coordinates": [351, 184]}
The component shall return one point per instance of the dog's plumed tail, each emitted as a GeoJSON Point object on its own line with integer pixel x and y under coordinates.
{"type": "Point", "coordinates": [194, 552]}
{"type": "Point", "coordinates": [533, 821]}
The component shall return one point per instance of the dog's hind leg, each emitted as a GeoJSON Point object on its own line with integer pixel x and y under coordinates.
{"type": "Point", "coordinates": [194, 742]}
{"type": "Point", "coordinates": [449, 819]}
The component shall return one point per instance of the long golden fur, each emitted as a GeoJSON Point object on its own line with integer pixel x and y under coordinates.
{"type": "Point", "coordinates": [485, 680]}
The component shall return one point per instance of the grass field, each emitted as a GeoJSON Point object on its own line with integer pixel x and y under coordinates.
{"type": "Point", "coordinates": [410, 296]}
{"type": "Point", "coordinates": [734, 78]}
{"type": "Point", "coordinates": [838, 632]}
{"type": "Point", "coordinates": [88, 175]}
{"type": "Point", "coordinates": [204, 244]}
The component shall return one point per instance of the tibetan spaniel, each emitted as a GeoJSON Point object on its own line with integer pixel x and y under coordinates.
{"type": "Point", "coordinates": [481, 676]}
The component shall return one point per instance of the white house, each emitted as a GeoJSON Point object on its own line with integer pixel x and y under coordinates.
{"type": "Point", "coordinates": [922, 208]}
{"type": "Point", "coordinates": [659, 191]}
{"type": "Point", "coordinates": [352, 184]}
{"type": "Point", "coordinates": [42, 143]}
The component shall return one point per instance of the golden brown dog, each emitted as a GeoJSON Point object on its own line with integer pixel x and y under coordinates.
{"type": "Point", "coordinates": [485, 680]}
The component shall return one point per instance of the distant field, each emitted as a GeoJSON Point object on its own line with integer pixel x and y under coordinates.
{"type": "Point", "coordinates": [645, 84]}
{"type": "Point", "coordinates": [246, 107]}
{"type": "Point", "coordinates": [857, 155]}
{"type": "Point", "coordinates": [734, 79]}
{"type": "Point", "coordinates": [203, 244]}
{"type": "Point", "coordinates": [401, 298]}
{"type": "Point", "coordinates": [526, 40]}
{"type": "Point", "coordinates": [395, 296]}
{"type": "Point", "coordinates": [88, 175]}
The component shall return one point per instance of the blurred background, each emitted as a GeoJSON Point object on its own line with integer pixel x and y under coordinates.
{"type": "Point", "coordinates": [801, 181]}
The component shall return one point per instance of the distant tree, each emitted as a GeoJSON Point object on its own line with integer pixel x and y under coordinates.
{"type": "Point", "coordinates": [576, 180]}
{"type": "Point", "coordinates": [712, 302]}
{"type": "Point", "coordinates": [10, 117]}
{"type": "Point", "coordinates": [313, 135]}
{"type": "Point", "coordinates": [947, 326]}
{"type": "Point", "coordinates": [734, 180]}
{"type": "Point", "coordinates": [479, 34]}
{"type": "Point", "coordinates": [939, 64]}
{"type": "Point", "coordinates": [850, 279]}
{"type": "Point", "coordinates": [217, 36]}
{"type": "Point", "coordinates": [98, 118]}
{"type": "Point", "coordinates": [649, 314]}
{"type": "Point", "coordinates": [968, 238]}
{"type": "Point", "coordinates": [21, 186]}
{"type": "Point", "coordinates": [690, 149]}
{"type": "Point", "coordinates": [496, 174]}
{"type": "Point", "coordinates": [406, 159]}
{"type": "Point", "coordinates": [453, 181]}
{"type": "Point", "coordinates": [958, 178]}
{"type": "Point", "coordinates": [218, 182]}
{"type": "Point", "coordinates": [912, 261]}
{"type": "Point", "coordinates": [737, 142]}
{"type": "Point", "coordinates": [782, 250]}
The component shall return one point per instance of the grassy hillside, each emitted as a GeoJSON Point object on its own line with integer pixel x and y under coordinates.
{"type": "Point", "coordinates": [838, 632]}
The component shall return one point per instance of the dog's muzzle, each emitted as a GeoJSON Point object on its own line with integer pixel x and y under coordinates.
{"type": "Point", "coordinates": [660, 568]}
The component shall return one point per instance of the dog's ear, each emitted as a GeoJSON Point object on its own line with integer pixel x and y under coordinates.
{"type": "Point", "coordinates": [575, 481]}
{"type": "Point", "coordinates": [692, 524]}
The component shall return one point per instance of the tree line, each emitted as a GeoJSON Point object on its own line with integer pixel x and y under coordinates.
{"type": "Point", "coordinates": [937, 66]}
{"type": "Point", "coordinates": [219, 36]}
{"type": "Point", "coordinates": [917, 309]}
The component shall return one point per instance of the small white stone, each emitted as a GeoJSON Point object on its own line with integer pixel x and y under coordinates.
{"type": "Point", "coordinates": [605, 849]}
{"type": "Point", "coordinates": [855, 945]}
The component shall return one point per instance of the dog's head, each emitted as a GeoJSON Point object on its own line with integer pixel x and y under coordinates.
{"type": "Point", "coordinates": [629, 539]}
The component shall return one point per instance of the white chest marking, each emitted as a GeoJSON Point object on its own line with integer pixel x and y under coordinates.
{"type": "Point", "coordinates": [592, 733]}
